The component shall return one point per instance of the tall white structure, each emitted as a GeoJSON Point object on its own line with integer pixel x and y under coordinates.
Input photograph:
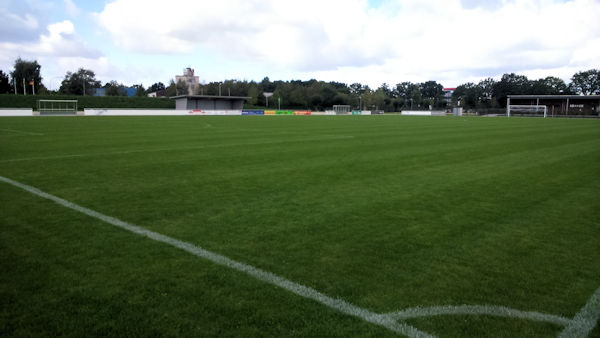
{"type": "Point", "coordinates": [190, 80]}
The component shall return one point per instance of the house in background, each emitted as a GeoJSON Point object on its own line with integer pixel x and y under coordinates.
{"type": "Point", "coordinates": [448, 94]}
{"type": "Point", "coordinates": [192, 82]}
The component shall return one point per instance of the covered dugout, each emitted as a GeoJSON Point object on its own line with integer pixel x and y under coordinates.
{"type": "Point", "coordinates": [560, 105]}
{"type": "Point", "coordinates": [209, 102]}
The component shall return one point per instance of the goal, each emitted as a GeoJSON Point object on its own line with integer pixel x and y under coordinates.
{"type": "Point", "coordinates": [341, 109]}
{"type": "Point", "coordinates": [527, 110]}
{"type": "Point", "coordinates": [57, 107]}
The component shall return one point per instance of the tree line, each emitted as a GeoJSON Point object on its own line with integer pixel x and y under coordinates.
{"type": "Point", "coordinates": [318, 95]}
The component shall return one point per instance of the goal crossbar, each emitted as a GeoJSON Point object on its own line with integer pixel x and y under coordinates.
{"type": "Point", "coordinates": [58, 107]}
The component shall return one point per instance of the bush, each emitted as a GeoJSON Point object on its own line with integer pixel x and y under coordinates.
{"type": "Point", "coordinates": [30, 101]}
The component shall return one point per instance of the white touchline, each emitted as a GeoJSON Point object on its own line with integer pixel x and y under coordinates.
{"type": "Point", "coordinates": [301, 290]}
{"type": "Point", "coordinates": [133, 151]}
{"type": "Point", "coordinates": [22, 132]}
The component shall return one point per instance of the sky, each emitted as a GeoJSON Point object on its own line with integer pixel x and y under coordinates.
{"type": "Point", "coordinates": [367, 41]}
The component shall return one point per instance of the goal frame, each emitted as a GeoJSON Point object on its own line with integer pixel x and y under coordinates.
{"type": "Point", "coordinates": [342, 109]}
{"type": "Point", "coordinates": [527, 108]}
{"type": "Point", "coordinates": [57, 107]}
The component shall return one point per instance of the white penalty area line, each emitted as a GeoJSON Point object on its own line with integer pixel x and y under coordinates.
{"type": "Point", "coordinates": [21, 132]}
{"type": "Point", "coordinates": [265, 276]}
{"type": "Point", "coordinates": [124, 152]}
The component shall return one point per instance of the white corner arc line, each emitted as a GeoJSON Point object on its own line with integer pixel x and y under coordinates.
{"type": "Point", "coordinates": [268, 277]}
{"type": "Point", "coordinates": [491, 310]}
{"type": "Point", "coordinates": [585, 320]}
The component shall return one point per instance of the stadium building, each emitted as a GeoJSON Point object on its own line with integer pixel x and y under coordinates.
{"type": "Point", "coordinates": [560, 105]}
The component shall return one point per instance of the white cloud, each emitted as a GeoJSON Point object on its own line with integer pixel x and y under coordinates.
{"type": "Point", "coordinates": [60, 41]}
{"type": "Point", "coordinates": [71, 8]}
{"type": "Point", "coordinates": [58, 50]}
{"type": "Point", "coordinates": [402, 40]}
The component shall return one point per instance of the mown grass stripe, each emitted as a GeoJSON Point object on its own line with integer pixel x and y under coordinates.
{"type": "Point", "coordinates": [301, 290]}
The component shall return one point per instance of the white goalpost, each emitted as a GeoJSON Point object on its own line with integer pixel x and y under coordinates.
{"type": "Point", "coordinates": [341, 109]}
{"type": "Point", "coordinates": [527, 110]}
{"type": "Point", "coordinates": [57, 107]}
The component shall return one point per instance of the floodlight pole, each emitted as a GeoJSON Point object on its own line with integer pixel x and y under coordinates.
{"type": "Point", "coordinates": [219, 88]}
{"type": "Point", "coordinates": [360, 102]}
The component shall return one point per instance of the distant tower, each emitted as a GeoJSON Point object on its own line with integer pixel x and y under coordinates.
{"type": "Point", "coordinates": [190, 80]}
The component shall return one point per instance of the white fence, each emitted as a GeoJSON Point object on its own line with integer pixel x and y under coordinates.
{"type": "Point", "coordinates": [424, 112]}
{"type": "Point", "coordinates": [156, 112]}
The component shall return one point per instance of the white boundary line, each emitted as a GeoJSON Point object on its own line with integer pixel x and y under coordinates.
{"type": "Point", "coordinates": [585, 320]}
{"type": "Point", "coordinates": [21, 132]}
{"type": "Point", "coordinates": [58, 157]}
{"type": "Point", "coordinates": [301, 290]}
{"type": "Point", "coordinates": [491, 310]}
{"type": "Point", "coordinates": [581, 325]}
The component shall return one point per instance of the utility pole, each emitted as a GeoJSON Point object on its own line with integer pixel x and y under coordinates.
{"type": "Point", "coordinates": [24, 88]}
{"type": "Point", "coordinates": [33, 86]}
{"type": "Point", "coordinates": [15, 85]}
{"type": "Point", "coordinates": [219, 88]}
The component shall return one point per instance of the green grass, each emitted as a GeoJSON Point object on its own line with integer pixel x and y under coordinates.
{"type": "Point", "coordinates": [384, 212]}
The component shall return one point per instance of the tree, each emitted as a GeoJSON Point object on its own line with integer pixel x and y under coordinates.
{"type": "Point", "coordinates": [4, 83]}
{"type": "Point", "coordinates": [156, 87]}
{"type": "Point", "coordinates": [586, 82]}
{"type": "Point", "coordinates": [487, 88]}
{"type": "Point", "coordinates": [139, 90]}
{"type": "Point", "coordinates": [511, 84]}
{"type": "Point", "coordinates": [469, 94]}
{"type": "Point", "coordinates": [267, 86]}
{"type": "Point", "coordinates": [74, 83]}
{"type": "Point", "coordinates": [549, 86]}
{"type": "Point", "coordinates": [433, 91]}
{"type": "Point", "coordinates": [24, 72]}
{"type": "Point", "coordinates": [171, 90]}
{"type": "Point", "coordinates": [113, 88]}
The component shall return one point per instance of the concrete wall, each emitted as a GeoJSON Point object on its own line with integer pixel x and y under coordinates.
{"type": "Point", "coordinates": [424, 112]}
{"type": "Point", "coordinates": [209, 103]}
{"type": "Point", "coordinates": [157, 112]}
{"type": "Point", "coordinates": [16, 112]}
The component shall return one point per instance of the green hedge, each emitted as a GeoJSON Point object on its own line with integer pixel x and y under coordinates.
{"type": "Point", "coordinates": [30, 101]}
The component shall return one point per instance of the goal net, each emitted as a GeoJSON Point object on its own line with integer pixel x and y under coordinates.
{"type": "Point", "coordinates": [341, 109]}
{"type": "Point", "coordinates": [57, 107]}
{"type": "Point", "coordinates": [527, 110]}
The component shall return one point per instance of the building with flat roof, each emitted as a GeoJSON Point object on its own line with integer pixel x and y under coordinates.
{"type": "Point", "coordinates": [560, 105]}
{"type": "Point", "coordinates": [448, 94]}
{"type": "Point", "coordinates": [209, 102]}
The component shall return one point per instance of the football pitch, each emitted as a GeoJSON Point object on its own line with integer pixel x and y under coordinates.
{"type": "Point", "coordinates": [313, 226]}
